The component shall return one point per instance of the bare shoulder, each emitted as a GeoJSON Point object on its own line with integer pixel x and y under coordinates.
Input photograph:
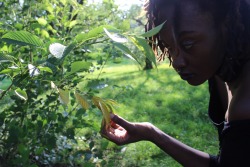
{"type": "Point", "coordinates": [239, 107]}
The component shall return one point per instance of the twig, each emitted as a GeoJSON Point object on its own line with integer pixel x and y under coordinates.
{"type": "Point", "coordinates": [4, 92]}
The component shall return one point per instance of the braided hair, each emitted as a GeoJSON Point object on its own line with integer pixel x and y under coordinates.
{"type": "Point", "coordinates": [235, 13]}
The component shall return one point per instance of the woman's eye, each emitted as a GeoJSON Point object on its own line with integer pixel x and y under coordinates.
{"type": "Point", "coordinates": [187, 44]}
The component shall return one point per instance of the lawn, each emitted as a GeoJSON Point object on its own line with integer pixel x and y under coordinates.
{"type": "Point", "coordinates": [162, 98]}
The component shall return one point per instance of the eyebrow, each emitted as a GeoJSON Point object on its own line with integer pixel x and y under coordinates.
{"type": "Point", "coordinates": [186, 32]}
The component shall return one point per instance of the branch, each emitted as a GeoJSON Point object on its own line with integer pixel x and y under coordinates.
{"type": "Point", "coordinates": [140, 23]}
{"type": "Point", "coordinates": [4, 92]}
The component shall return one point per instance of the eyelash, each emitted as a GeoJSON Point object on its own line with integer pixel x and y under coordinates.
{"type": "Point", "coordinates": [187, 44]}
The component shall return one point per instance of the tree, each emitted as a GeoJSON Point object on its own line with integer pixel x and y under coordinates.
{"type": "Point", "coordinates": [44, 55]}
{"type": "Point", "coordinates": [136, 15]}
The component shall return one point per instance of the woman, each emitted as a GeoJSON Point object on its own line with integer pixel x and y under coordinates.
{"type": "Point", "coordinates": [204, 40]}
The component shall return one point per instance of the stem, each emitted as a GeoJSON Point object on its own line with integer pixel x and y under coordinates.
{"type": "Point", "coordinates": [73, 109]}
{"type": "Point", "coordinates": [8, 89]}
{"type": "Point", "coordinates": [4, 92]}
{"type": "Point", "coordinates": [31, 57]}
{"type": "Point", "coordinates": [98, 42]}
{"type": "Point", "coordinates": [102, 67]}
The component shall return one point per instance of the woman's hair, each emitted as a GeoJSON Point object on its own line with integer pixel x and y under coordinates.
{"type": "Point", "coordinates": [236, 15]}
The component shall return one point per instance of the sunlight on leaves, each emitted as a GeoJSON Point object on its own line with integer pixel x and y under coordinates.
{"type": "Point", "coordinates": [42, 21]}
{"type": "Point", "coordinates": [129, 56]}
{"type": "Point", "coordinates": [57, 49]}
{"type": "Point", "coordinates": [33, 71]}
{"type": "Point", "coordinates": [21, 94]}
{"type": "Point", "coordinates": [53, 85]}
{"type": "Point", "coordinates": [115, 37]}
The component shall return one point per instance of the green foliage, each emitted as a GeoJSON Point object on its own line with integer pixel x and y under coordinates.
{"type": "Point", "coordinates": [22, 38]}
{"type": "Point", "coordinates": [47, 49]}
{"type": "Point", "coordinates": [153, 31]}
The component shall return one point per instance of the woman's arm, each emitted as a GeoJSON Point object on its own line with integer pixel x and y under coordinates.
{"type": "Point", "coordinates": [185, 155]}
{"type": "Point", "coordinates": [123, 132]}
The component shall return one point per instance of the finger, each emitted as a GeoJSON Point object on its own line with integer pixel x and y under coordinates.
{"type": "Point", "coordinates": [114, 138]}
{"type": "Point", "coordinates": [114, 125]}
{"type": "Point", "coordinates": [120, 121]}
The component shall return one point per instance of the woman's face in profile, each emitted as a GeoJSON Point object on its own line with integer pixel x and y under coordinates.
{"type": "Point", "coordinates": [195, 44]}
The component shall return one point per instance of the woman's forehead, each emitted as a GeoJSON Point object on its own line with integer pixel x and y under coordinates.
{"type": "Point", "coordinates": [173, 10]}
{"type": "Point", "coordinates": [184, 14]}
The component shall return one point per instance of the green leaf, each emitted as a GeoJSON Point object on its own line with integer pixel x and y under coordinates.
{"type": "Point", "coordinates": [46, 69]}
{"type": "Point", "coordinates": [82, 101]}
{"type": "Point", "coordinates": [63, 2]}
{"type": "Point", "coordinates": [8, 71]}
{"type": "Point", "coordinates": [22, 38]}
{"type": "Point", "coordinates": [64, 96]}
{"type": "Point", "coordinates": [5, 83]}
{"type": "Point", "coordinates": [142, 44]}
{"type": "Point", "coordinates": [21, 94]}
{"type": "Point", "coordinates": [50, 141]}
{"type": "Point", "coordinates": [6, 58]}
{"type": "Point", "coordinates": [68, 49]}
{"type": "Point", "coordinates": [127, 51]}
{"type": "Point", "coordinates": [78, 66]}
{"type": "Point", "coordinates": [72, 23]}
{"type": "Point", "coordinates": [18, 26]}
{"type": "Point", "coordinates": [94, 33]}
{"type": "Point", "coordinates": [24, 151]}
{"type": "Point", "coordinates": [53, 67]}
{"type": "Point", "coordinates": [154, 31]}
{"type": "Point", "coordinates": [115, 37]}
{"type": "Point", "coordinates": [42, 21]}
{"type": "Point", "coordinates": [45, 33]}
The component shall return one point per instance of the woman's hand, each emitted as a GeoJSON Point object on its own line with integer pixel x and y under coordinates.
{"type": "Point", "coordinates": [123, 132]}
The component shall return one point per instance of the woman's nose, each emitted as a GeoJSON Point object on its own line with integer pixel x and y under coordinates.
{"type": "Point", "coordinates": [178, 61]}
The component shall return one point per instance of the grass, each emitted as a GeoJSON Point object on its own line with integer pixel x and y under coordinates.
{"type": "Point", "coordinates": [162, 98]}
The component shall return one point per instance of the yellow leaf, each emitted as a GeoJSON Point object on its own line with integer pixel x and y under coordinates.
{"type": "Point", "coordinates": [82, 101]}
{"type": "Point", "coordinates": [64, 96]}
{"type": "Point", "coordinates": [105, 112]}
{"type": "Point", "coordinates": [106, 107]}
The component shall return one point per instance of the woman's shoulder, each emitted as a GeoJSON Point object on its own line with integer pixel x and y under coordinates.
{"type": "Point", "coordinates": [239, 108]}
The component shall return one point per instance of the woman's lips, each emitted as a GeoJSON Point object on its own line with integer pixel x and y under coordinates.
{"type": "Point", "coordinates": [186, 76]}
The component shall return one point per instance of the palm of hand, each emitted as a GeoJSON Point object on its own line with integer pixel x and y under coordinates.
{"type": "Point", "coordinates": [127, 133]}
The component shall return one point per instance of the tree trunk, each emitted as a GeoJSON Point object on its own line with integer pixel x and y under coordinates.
{"type": "Point", "coordinates": [148, 65]}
